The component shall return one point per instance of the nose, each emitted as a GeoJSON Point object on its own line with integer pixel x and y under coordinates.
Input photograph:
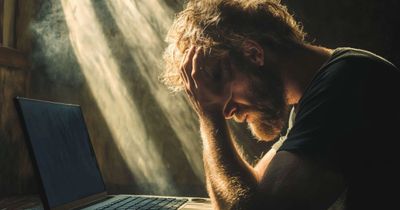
{"type": "Point", "coordinates": [229, 109]}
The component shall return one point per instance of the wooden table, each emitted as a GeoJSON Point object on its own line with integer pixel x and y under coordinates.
{"type": "Point", "coordinates": [31, 202]}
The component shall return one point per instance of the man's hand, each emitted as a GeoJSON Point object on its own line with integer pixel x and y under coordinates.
{"type": "Point", "coordinates": [206, 82]}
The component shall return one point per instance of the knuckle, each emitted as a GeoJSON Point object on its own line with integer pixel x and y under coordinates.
{"type": "Point", "coordinates": [183, 65]}
{"type": "Point", "coordinates": [194, 57]}
{"type": "Point", "coordinates": [188, 86]}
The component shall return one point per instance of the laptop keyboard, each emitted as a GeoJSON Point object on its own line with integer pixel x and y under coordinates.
{"type": "Point", "coordinates": [145, 203]}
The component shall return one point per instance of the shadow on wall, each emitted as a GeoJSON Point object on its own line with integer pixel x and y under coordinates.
{"type": "Point", "coordinates": [132, 59]}
{"type": "Point", "coordinates": [81, 56]}
{"type": "Point", "coordinates": [57, 76]}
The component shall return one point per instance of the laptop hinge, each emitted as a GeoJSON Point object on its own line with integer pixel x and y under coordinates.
{"type": "Point", "coordinates": [82, 202]}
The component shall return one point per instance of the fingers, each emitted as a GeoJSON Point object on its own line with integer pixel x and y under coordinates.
{"type": "Point", "coordinates": [198, 62]}
{"type": "Point", "coordinates": [188, 71]}
{"type": "Point", "coordinates": [185, 65]}
{"type": "Point", "coordinates": [185, 73]}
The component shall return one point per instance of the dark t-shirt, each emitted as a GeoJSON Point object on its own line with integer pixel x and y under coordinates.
{"type": "Point", "coordinates": [348, 119]}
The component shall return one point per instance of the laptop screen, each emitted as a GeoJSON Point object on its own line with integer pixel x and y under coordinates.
{"type": "Point", "coordinates": [62, 150]}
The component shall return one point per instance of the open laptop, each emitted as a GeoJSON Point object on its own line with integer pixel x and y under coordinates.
{"type": "Point", "coordinates": [66, 164]}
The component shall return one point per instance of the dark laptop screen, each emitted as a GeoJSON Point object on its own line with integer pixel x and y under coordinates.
{"type": "Point", "coordinates": [61, 147]}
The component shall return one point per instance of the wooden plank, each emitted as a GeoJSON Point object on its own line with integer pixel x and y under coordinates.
{"type": "Point", "coordinates": [16, 175]}
{"type": "Point", "coordinates": [24, 14]}
{"type": "Point", "coordinates": [1, 22]}
{"type": "Point", "coordinates": [13, 58]}
{"type": "Point", "coordinates": [9, 23]}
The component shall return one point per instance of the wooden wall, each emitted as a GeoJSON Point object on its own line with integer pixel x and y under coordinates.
{"type": "Point", "coordinates": [15, 167]}
{"type": "Point", "coordinates": [19, 77]}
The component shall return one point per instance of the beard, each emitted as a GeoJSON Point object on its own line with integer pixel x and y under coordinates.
{"type": "Point", "coordinates": [269, 113]}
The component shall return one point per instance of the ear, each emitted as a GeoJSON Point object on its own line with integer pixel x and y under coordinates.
{"type": "Point", "coordinates": [253, 51]}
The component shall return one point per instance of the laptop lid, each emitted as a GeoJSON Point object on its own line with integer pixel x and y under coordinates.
{"type": "Point", "coordinates": [61, 152]}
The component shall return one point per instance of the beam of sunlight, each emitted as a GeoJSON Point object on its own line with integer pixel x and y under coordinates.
{"type": "Point", "coordinates": [105, 82]}
{"type": "Point", "coordinates": [142, 23]}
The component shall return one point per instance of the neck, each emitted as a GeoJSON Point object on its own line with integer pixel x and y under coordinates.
{"type": "Point", "coordinates": [300, 67]}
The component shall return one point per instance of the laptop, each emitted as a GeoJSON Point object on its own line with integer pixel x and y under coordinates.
{"type": "Point", "coordinates": [66, 165]}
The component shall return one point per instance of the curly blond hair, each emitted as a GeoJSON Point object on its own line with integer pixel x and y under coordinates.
{"type": "Point", "coordinates": [221, 26]}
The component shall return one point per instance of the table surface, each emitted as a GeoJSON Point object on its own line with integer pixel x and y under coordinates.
{"type": "Point", "coordinates": [31, 202]}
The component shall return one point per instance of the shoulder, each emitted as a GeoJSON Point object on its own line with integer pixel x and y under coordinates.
{"type": "Point", "coordinates": [350, 68]}
{"type": "Point", "coordinates": [358, 57]}
{"type": "Point", "coordinates": [350, 90]}
{"type": "Point", "coordinates": [349, 62]}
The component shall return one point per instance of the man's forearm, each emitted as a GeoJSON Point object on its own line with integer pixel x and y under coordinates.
{"type": "Point", "coordinates": [231, 181]}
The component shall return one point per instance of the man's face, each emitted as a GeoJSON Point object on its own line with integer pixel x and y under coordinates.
{"type": "Point", "coordinates": [257, 98]}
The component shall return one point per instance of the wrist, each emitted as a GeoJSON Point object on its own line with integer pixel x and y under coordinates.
{"type": "Point", "coordinates": [212, 120]}
{"type": "Point", "coordinates": [213, 127]}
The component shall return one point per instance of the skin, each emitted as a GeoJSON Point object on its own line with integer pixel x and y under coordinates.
{"type": "Point", "coordinates": [280, 180]}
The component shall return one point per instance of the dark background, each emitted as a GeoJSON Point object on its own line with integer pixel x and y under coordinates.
{"type": "Point", "coordinates": [366, 24]}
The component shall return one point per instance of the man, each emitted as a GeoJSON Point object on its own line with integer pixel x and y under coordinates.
{"type": "Point", "coordinates": [247, 60]}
